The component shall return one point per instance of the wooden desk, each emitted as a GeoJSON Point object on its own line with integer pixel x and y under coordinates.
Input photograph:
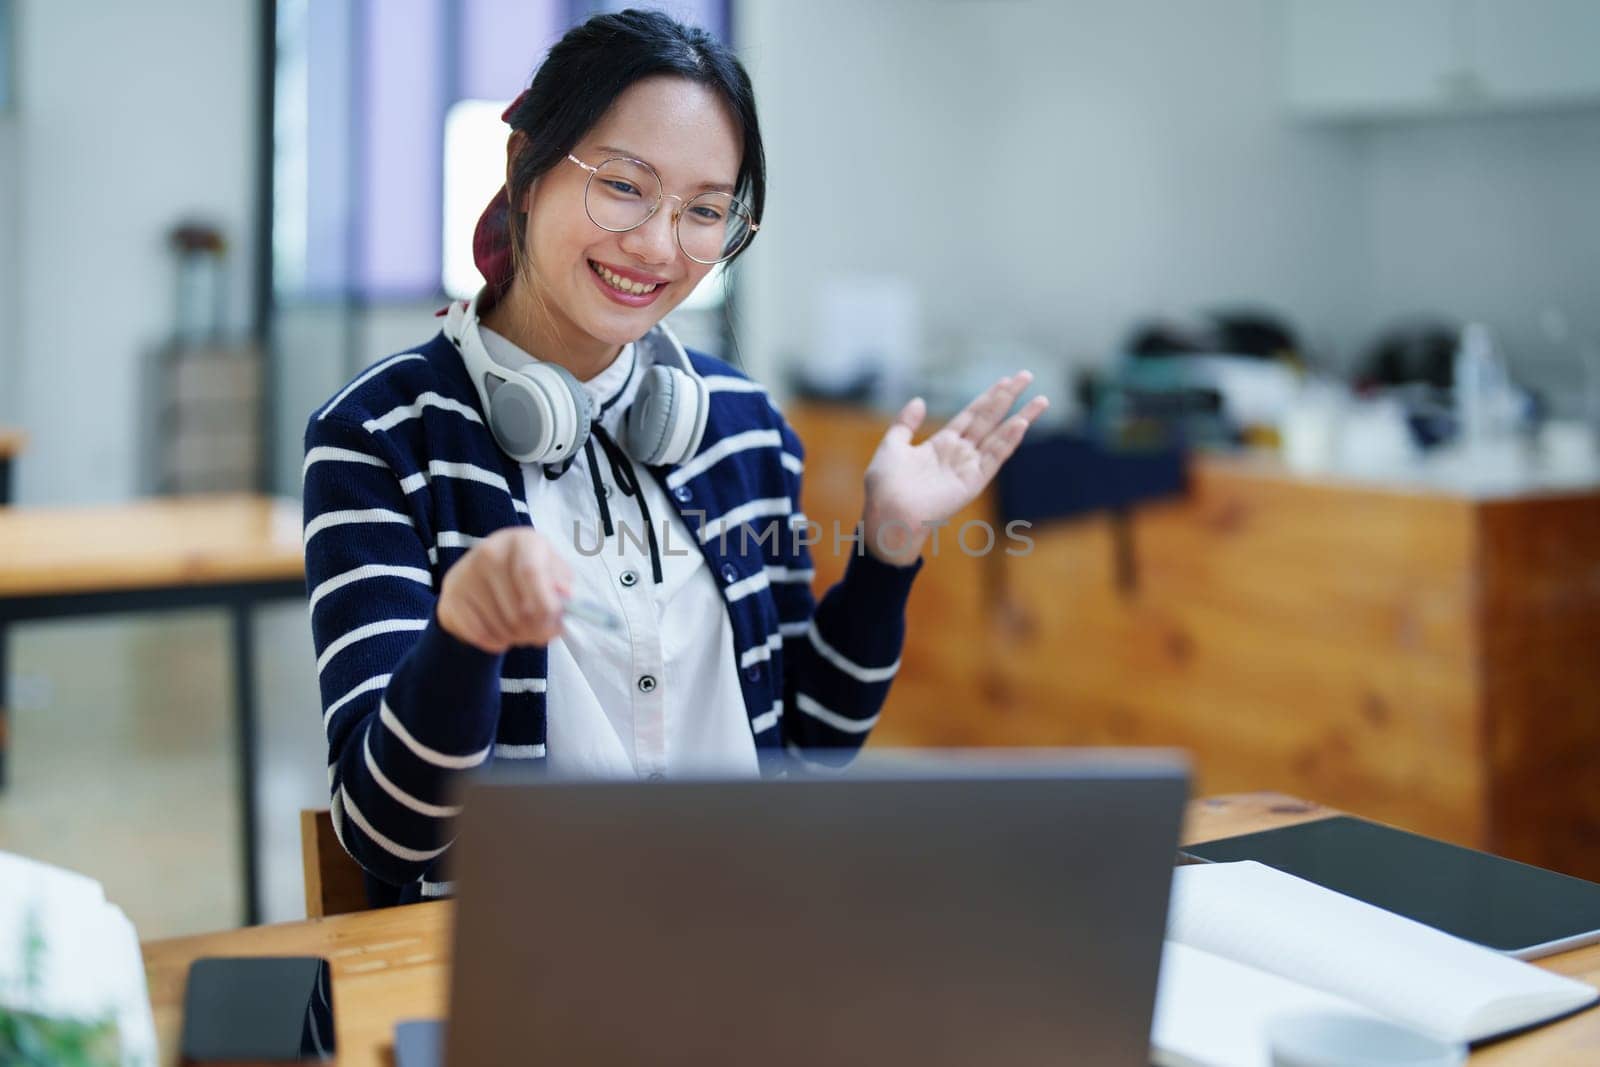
{"type": "Point", "coordinates": [11, 443]}
{"type": "Point", "coordinates": [220, 551]}
{"type": "Point", "coordinates": [394, 964]}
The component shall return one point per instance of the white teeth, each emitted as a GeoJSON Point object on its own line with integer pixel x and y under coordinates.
{"type": "Point", "coordinates": [616, 281]}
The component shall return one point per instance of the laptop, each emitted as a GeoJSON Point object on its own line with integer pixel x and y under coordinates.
{"type": "Point", "coordinates": [937, 911]}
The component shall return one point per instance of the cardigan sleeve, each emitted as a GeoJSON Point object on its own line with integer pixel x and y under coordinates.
{"type": "Point", "coordinates": [839, 654]}
{"type": "Point", "coordinates": [405, 705]}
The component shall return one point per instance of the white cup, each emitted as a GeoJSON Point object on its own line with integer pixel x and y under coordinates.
{"type": "Point", "coordinates": [1334, 1039]}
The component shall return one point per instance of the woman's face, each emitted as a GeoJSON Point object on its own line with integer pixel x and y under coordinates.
{"type": "Point", "coordinates": [686, 133]}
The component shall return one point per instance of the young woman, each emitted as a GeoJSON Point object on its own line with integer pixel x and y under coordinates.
{"type": "Point", "coordinates": [552, 535]}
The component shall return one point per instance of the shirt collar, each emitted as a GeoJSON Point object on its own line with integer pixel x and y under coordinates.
{"type": "Point", "coordinates": [613, 379]}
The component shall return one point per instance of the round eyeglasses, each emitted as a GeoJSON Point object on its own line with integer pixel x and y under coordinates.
{"type": "Point", "coordinates": [622, 194]}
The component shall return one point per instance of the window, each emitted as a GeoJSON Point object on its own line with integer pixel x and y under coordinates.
{"type": "Point", "coordinates": [474, 168]}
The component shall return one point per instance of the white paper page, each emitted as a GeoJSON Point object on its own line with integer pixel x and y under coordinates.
{"type": "Point", "coordinates": [1423, 978]}
{"type": "Point", "coordinates": [1212, 1012]}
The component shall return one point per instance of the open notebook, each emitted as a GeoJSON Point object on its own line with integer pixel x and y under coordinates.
{"type": "Point", "coordinates": [1246, 942]}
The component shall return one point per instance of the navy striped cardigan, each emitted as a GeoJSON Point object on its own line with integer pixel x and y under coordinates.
{"type": "Point", "coordinates": [402, 477]}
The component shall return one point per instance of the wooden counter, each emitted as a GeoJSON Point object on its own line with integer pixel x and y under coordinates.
{"type": "Point", "coordinates": [1425, 659]}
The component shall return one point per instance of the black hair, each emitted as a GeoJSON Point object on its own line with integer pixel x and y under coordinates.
{"type": "Point", "coordinates": [594, 62]}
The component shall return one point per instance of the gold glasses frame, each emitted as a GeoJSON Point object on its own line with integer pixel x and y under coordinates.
{"type": "Point", "coordinates": [677, 214]}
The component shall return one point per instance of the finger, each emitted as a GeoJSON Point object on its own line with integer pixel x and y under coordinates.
{"type": "Point", "coordinates": [540, 620]}
{"type": "Point", "coordinates": [999, 445]}
{"type": "Point", "coordinates": [555, 617]}
{"type": "Point", "coordinates": [502, 592]}
{"type": "Point", "coordinates": [560, 573]}
{"type": "Point", "coordinates": [906, 423]}
{"type": "Point", "coordinates": [1034, 408]}
{"type": "Point", "coordinates": [538, 607]}
{"type": "Point", "coordinates": [471, 585]}
{"type": "Point", "coordinates": [1030, 411]}
{"type": "Point", "coordinates": [556, 588]}
{"type": "Point", "coordinates": [495, 601]}
{"type": "Point", "coordinates": [958, 426]}
{"type": "Point", "coordinates": [546, 623]}
{"type": "Point", "coordinates": [988, 409]}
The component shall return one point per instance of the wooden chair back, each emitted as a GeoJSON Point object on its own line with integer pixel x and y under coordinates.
{"type": "Point", "coordinates": [334, 882]}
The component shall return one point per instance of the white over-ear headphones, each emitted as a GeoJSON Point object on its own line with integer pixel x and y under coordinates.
{"type": "Point", "coordinates": [539, 413]}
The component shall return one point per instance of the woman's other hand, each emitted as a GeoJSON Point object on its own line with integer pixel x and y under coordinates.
{"type": "Point", "coordinates": [911, 488]}
{"type": "Point", "coordinates": [507, 590]}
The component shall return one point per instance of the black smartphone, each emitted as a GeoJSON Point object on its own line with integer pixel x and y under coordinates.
{"type": "Point", "coordinates": [258, 1009]}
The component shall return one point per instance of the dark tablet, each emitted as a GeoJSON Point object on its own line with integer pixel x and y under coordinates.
{"type": "Point", "coordinates": [1507, 906]}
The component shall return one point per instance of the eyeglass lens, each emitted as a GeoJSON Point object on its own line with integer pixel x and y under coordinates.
{"type": "Point", "coordinates": [622, 193]}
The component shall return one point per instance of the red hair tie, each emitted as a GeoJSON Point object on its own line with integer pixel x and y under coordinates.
{"type": "Point", "coordinates": [505, 116]}
{"type": "Point", "coordinates": [491, 241]}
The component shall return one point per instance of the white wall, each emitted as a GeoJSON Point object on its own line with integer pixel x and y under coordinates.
{"type": "Point", "coordinates": [1050, 170]}
{"type": "Point", "coordinates": [1493, 218]}
{"type": "Point", "coordinates": [129, 116]}
{"type": "Point", "coordinates": [10, 362]}
{"type": "Point", "coordinates": [845, 97]}
{"type": "Point", "coordinates": [1044, 171]}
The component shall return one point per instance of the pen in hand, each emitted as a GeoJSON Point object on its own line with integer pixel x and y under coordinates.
{"type": "Point", "coordinates": [592, 612]}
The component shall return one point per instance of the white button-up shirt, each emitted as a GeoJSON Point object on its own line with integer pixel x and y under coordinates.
{"type": "Point", "coordinates": [661, 694]}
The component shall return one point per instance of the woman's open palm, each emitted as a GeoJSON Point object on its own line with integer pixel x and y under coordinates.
{"type": "Point", "coordinates": [912, 487]}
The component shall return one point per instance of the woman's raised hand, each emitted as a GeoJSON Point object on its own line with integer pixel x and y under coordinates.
{"type": "Point", "coordinates": [910, 488]}
{"type": "Point", "coordinates": [507, 590]}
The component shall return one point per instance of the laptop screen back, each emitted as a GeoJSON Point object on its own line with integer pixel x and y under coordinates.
{"type": "Point", "coordinates": [987, 916]}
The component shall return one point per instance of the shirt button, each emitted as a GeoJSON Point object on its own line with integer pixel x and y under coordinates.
{"type": "Point", "coordinates": [729, 573]}
{"type": "Point", "coordinates": [628, 578]}
{"type": "Point", "coordinates": [752, 673]}
{"type": "Point", "coordinates": [647, 683]}
{"type": "Point", "coordinates": [683, 493]}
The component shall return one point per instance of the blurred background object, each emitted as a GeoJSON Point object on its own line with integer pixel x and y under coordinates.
{"type": "Point", "coordinates": [867, 341]}
{"type": "Point", "coordinates": [203, 388]}
{"type": "Point", "coordinates": [1418, 352]}
{"type": "Point", "coordinates": [1218, 379]}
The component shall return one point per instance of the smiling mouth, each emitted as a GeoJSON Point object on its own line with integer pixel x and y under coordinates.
{"type": "Point", "coordinates": [621, 284]}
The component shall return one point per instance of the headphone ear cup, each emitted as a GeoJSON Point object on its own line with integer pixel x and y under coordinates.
{"type": "Point", "coordinates": [649, 420]}
{"type": "Point", "coordinates": [667, 418]}
{"type": "Point", "coordinates": [540, 414]}
{"type": "Point", "coordinates": [581, 411]}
